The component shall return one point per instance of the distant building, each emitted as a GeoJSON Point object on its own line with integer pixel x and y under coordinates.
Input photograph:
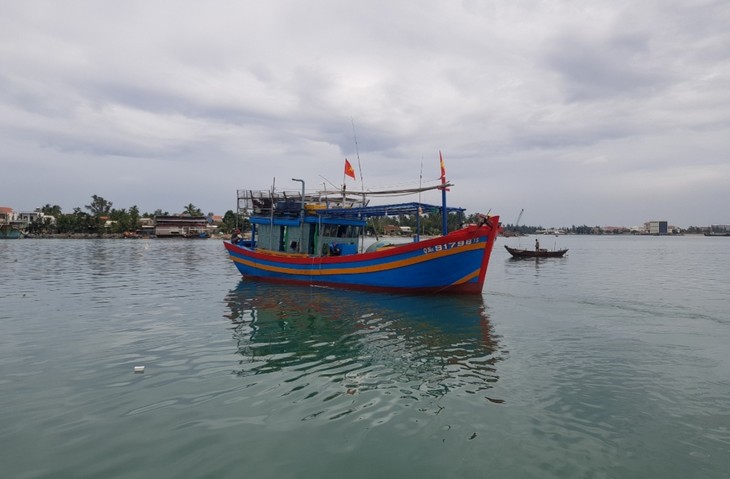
{"type": "Point", "coordinates": [23, 219]}
{"type": "Point", "coordinates": [215, 219]}
{"type": "Point", "coordinates": [396, 230]}
{"type": "Point", "coordinates": [6, 215]}
{"type": "Point", "coordinates": [656, 227]}
{"type": "Point", "coordinates": [146, 226]}
{"type": "Point", "coordinates": [28, 217]}
{"type": "Point", "coordinates": [556, 231]}
{"type": "Point", "coordinates": [391, 229]}
{"type": "Point", "coordinates": [181, 226]}
{"type": "Point", "coordinates": [615, 230]}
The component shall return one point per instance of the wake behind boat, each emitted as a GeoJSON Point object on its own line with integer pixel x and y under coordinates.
{"type": "Point", "coordinates": [318, 240]}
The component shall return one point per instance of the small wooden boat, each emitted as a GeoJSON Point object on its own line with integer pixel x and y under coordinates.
{"type": "Point", "coordinates": [539, 253]}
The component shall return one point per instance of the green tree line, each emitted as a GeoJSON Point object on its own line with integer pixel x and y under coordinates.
{"type": "Point", "coordinates": [92, 219]}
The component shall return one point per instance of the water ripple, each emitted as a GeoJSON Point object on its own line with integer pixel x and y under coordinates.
{"type": "Point", "coordinates": [332, 347]}
{"type": "Point", "coordinates": [610, 363]}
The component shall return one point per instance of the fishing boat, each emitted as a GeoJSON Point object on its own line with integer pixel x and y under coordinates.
{"type": "Point", "coordinates": [536, 253]}
{"type": "Point", "coordinates": [9, 232]}
{"type": "Point", "coordinates": [319, 240]}
{"type": "Point", "coordinates": [718, 231]}
{"type": "Point", "coordinates": [7, 224]}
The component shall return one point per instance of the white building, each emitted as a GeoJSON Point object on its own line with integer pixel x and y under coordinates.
{"type": "Point", "coordinates": [28, 217]}
{"type": "Point", "coordinates": [656, 227]}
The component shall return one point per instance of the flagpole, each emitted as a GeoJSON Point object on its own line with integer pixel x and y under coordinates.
{"type": "Point", "coordinates": [418, 214]}
{"type": "Point", "coordinates": [359, 166]}
{"type": "Point", "coordinates": [362, 182]}
{"type": "Point", "coordinates": [362, 188]}
{"type": "Point", "coordinates": [444, 225]}
{"type": "Point", "coordinates": [344, 173]}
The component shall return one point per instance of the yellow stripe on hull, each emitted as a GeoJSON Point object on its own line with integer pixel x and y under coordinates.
{"type": "Point", "coordinates": [364, 269]}
{"type": "Point", "coordinates": [467, 278]}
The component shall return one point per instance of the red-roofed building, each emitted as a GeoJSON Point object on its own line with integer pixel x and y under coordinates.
{"type": "Point", "coordinates": [6, 215]}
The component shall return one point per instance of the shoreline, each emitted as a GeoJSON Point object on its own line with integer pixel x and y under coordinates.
{"type": "Point", "coordinates": [110, 236]}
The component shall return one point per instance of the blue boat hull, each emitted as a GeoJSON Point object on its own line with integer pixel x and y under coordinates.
{"type": "Point", "coordinates": [8, 232]}
{"type": "Point", "coordinates": [455, 263]}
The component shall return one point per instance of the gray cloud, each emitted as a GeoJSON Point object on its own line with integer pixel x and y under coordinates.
{"type": "Point", "coordinates": [579, 112]}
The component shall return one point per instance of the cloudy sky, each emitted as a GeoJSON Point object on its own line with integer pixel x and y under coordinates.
{"type": "Point", "coordinates": [579, 111]}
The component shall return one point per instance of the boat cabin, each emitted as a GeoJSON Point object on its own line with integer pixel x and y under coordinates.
{"type": "Point", "coordinates": [317, 226]}
{"type": "Point", "coordinates": [317, 236]}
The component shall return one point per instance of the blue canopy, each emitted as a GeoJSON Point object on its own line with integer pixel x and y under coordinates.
{"type": "Point", "coordinates": [387, 210]}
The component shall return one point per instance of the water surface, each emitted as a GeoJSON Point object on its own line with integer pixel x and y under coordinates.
{"type": "Point", "coordinates": [610, 362]}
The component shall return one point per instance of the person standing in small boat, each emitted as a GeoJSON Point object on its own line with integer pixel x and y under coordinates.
{"type": "Point", "coordinates": [537, 244]}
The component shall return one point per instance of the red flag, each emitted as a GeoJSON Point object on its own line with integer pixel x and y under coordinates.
{"type": "Point", "coordinates": [443, 172]}
{"type": "Point", "coordinates": [443, 169]}
{"type": "Point", "coordinates": [349, 170]}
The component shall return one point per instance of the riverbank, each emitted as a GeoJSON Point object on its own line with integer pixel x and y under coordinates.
{"type": "Point", "coordinates": [87, 236]}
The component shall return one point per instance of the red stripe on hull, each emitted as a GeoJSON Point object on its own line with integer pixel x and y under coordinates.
{"type": "Point", "coordinates": [299, 265]}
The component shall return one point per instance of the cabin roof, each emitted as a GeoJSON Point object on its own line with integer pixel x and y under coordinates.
{"type": "Point", "coordinates": [387, 210]}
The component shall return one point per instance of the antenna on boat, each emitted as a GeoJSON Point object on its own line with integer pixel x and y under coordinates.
{"type": "Point", "coordinates": [420, 180]}
{"type": "Point", "coordinates": [418, 214]}
{"type": "Point", "coordinates": [444, 189]}
{"type": "Point", "coordinates": [301, 217]}
{"type": "Point", "coordinates": [357, 153]}
{"type": "Point", "coordinates": [362, 180]}
{"type": "Point", "coordinates": [359, 165]}
{"type": "Point", "coordinates": [271, 213]}
{"type": "Point", "coordinates": [328, 181]}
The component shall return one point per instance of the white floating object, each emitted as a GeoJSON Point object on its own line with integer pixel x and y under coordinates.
{"type": "Point", "coordinates": [139, 369]}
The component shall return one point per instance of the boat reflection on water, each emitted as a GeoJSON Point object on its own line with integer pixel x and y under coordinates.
{"type": "Point", "coordinates": [332, 342]}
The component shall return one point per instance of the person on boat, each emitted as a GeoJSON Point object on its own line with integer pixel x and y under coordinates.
{"type": "Point", "coordinates": [537, 244]}
{"type": "Point", "coordinates": [236, 236]}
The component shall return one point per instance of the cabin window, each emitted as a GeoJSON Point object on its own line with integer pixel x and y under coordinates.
{"type": "Point", "coordinates": [341, 231]}
{"type": "Point", "coordinates": [329, 230]}
{"type": "Point", "coordinates": [312, 239]}
{"type": "Point", "coordinates": [282, 238]}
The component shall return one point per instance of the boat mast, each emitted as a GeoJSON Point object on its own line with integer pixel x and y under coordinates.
{"type": "Point", "coordinates": [344, 187]}
{"type": "Point", "coordinates": [301, 217]}
{"type": "Point", "coordinates": [271, 215]}
{"type": "Point", "coordinates": [362, 183]}
{"type": "Point", "coordinates": [359, 166]}
{"type": "Point", "coordinates": [444, 225]}
{"type": "Point", "coordinates": [418, 214]}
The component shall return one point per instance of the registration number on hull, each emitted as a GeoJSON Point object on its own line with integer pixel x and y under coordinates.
{"type": "Point", "coordinates": [451, 245]}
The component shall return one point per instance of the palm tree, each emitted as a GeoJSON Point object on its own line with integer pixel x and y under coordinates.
{"type": "Point", "coordinates": [192, 210]}
{"type": "Point", "coordinates": [99, 206]}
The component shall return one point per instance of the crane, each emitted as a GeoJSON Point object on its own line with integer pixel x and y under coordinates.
{"type": "Point", "coordinates": [514, 231]}
{"type": "Point", "coordinates": [519, 217]}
